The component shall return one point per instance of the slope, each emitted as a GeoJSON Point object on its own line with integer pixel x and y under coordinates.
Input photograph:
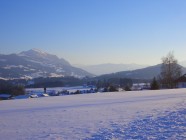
{"type": "Point", "coordinates": [96, 116]}
{"type": "Point", "coordinates": [109, 68]}
{"type": "Point", "coordinates": [144, 73]}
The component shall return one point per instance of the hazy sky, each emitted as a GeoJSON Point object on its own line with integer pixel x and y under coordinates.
{"type": "Point", "coordinates": [95, 31]}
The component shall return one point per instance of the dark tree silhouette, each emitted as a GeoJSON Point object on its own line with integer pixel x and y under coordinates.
{"type": "Point", "coordinates": [154, 85]}
{"type": "Point", "coordinates": [170, 71]}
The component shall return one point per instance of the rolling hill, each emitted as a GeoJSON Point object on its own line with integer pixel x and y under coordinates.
{"type": "Point", "coordinates": [109, 68]}
{"type": "Point", "coordinates": [144, 73]}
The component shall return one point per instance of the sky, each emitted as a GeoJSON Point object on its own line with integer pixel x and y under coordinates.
{"type": "Point", "coordinates": [95, 31]}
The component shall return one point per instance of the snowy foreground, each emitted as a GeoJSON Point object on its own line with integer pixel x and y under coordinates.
{"type": "Point", "coordinates": [120, 115]}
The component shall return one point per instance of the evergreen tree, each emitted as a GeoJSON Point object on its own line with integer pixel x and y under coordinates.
{"type": "Point", "coordinates": [112, 88]}
{"type": "Point", "coordinates": [13, 90]}
{"type": "Point", "coordinates": [154, 85]}
{"type": "Point", "coordinates": [127, 88]}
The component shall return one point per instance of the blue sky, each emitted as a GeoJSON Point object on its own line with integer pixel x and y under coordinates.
{"type": "Point", "coordinates": [95, 31]}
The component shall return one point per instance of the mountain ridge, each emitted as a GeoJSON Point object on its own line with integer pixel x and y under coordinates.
{"type": "Point", "coordinates": [147, 73]}
{"type": "Point", "coordinates": [108, 68]}
{"type": "Point", "coordinates": [36, 54]}
{"type": "Point", "coordinates": [35, 63]}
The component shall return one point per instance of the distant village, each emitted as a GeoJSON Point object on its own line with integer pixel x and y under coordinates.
{"type": "Point", "coordinates": [86, 89]}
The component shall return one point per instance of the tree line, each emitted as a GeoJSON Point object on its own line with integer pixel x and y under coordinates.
{"type": "Point", "coordinates": [14, 90]}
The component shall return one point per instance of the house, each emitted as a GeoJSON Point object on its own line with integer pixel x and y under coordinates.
{"type": "Point", "coordinates": [140, 86]}
{"type": "Point", "coordinates": [181, 82]}
{"type": "Point", "coordinates": [33, 96]}
{"type": "Point", "coordinates": [22, 96]}
{"type": "Point", "coordinates": [5, 96]}
{"type": "Point", "coordinates": [53, 93]}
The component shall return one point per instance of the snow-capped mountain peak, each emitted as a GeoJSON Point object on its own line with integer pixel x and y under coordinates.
{"type": "Point", "coordinates": [34, 52]}
{"type": "Point", "coordinates": [36, 63]}
{"type": "Point", "coordinates": [41, 56]}
{"type": "Point", "coordinates": [38, 51]}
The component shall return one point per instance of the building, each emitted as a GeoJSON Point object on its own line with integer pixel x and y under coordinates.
{"type": "Point", "coordinates": [5, 96]}
{"type": "Point", "coordinates": [181, 82]}
{"type": "Point", "coordinates": [140, 86]}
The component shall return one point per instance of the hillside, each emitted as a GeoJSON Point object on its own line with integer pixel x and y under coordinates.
{"type": "Point", "coordinates": [109, 68]}
{"type": "Point", "coordinates": [144, 73]}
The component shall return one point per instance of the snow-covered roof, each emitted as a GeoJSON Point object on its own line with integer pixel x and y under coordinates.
{"type": "Point", "coordinates": [141, 84]}
{"type": "Point", "coordinates": [5, 95]}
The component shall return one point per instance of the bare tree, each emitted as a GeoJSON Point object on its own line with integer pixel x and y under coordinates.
{"type": "Point", "coordinates": [170, 71]}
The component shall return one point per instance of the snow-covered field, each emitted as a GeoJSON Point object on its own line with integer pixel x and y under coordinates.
{"type": "Point", "coordinates": [120, 115]}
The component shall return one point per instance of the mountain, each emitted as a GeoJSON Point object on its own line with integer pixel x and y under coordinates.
{"type": "Point", "coordinates": [36, 63]}
{"type": "Point", "coordinates": [36, 55]}
{"type": "Point", "coordinates": [109, 68]}
{"type": "Point", "coordinates": [144, 73]}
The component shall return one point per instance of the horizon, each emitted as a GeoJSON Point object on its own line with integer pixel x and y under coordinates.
{"type": "Point", "coordinates": [106, 63]}
{"type": "Point", "coordinates": [96, 32]}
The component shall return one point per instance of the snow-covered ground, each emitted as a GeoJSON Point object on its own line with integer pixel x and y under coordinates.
{"type": "Point", "coordinates": [120, 115]}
